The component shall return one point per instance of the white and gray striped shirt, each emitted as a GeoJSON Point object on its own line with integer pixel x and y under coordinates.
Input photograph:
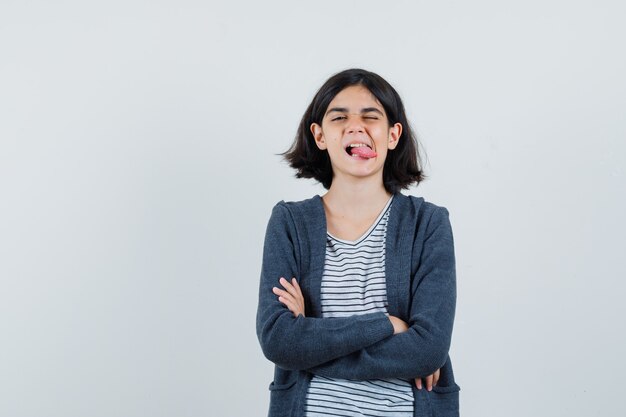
{"type": "Point", "coordinates": [354, 283]}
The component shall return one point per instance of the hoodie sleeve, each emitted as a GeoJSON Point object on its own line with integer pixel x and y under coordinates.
{"type": "Point", "coordinates": [298, 343]}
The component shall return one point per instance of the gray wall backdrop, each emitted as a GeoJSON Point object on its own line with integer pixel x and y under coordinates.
{"type": "Point", "coordinates": [138, 172]}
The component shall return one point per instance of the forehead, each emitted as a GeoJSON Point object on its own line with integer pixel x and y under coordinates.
{"type": "Point", "coordinates": [355, 98]}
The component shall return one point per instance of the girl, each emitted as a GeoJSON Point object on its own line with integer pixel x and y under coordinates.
{"type": "Point", "coordinates": [358, 289]}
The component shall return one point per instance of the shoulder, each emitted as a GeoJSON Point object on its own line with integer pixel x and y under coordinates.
{"type": "Point", "coordinates": [302, 204]}
{"type": "Point", "coordinates": [311, 207]}
{"type": "Point", "coordinates": [420, 220]}
{"type": "Point", "coordinates": [294, 214]}
{"type": "Point", "coordinates": [423, 224]}
{"type": "Point", "coordinates": [421, 211]}
{"type": "Point", "coordinates": [298, 224]}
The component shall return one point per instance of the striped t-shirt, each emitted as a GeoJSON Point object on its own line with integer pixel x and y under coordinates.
{"type": "Point", "coordinates": [354, 283]}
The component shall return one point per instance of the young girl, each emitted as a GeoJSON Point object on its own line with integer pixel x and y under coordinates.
{"type": "Point", "coordinates": [358, 289]}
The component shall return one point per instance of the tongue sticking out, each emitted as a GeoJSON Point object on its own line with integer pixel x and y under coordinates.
{"type": "Point", "coordinates": [363, 152]}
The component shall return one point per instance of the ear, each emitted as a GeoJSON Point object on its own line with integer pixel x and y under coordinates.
{"type": "Point", "coordinates": [318, 135]}
{"type": "Point", "coordinates": [395, 132]}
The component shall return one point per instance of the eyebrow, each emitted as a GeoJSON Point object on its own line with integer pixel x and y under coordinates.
{"type": "Point", "coordinates": [363, 110]}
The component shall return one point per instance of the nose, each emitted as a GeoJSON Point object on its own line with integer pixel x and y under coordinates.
{"type": "Point", "coordinates": [355, 126]}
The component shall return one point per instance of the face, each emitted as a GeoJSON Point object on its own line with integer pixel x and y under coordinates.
{"type": "Point", "coordinates": [356, 134]}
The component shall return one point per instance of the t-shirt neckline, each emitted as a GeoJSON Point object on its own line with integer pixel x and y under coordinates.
{"type": "Point", "coordinates": [368, 231]}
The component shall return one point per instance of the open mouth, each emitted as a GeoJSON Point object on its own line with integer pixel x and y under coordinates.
{"type": "Point", "coordinates": [360, 149]}
{"type": "Point", "coordinates": [352, 147]}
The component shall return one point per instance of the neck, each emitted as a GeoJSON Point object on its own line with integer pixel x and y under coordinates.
{"type": "Point", "coordinates": [356, 197]}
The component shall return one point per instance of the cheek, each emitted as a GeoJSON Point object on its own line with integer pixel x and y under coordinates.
{"type": "Point", "coordinates": [334, 137]}
{"type": "Point", "coordinates": [379, 131]}
{"type": "Point", "coordinates": [334, 132]}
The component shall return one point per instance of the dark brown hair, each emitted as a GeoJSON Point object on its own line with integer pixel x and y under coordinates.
{"type": "Point", "coordinates": [402, 167]}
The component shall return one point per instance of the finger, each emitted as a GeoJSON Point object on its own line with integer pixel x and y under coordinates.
{"type": "Point", "coordinates": [429, 382]}
{"type": "Point", "coordinates": [295, 303]}
{"type": "Point", "coordinates": [283, 282]}
{"type": "Point", "coordinates": [436, 378]}
{"type": "Point", "coordinates": [287, 297]}
{"type": "Point", "coordinates": [418, 383]}
{"type": "Point", "coordinates": [281, 293]}
{"type": "Point", "coordinates": [294, 289]}
{"type": "Point", "coordinates": [295, 309]}
{"type": "Point", "coordinates": [297, 287]}
{"type": "Point", "coordinates": [293, 292]}
{"type": "Point", "coordinates": [288, 304]}
{"type": "Point", "coordinates": [288, 287]}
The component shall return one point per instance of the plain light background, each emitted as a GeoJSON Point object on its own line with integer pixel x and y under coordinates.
{"type": "Point", "coordinates": [138, 169]}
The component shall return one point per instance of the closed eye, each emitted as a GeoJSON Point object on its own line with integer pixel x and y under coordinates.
{"type": "Point", "coordinates": [334, 119]}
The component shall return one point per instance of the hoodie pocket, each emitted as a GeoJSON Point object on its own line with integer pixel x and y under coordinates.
{"type": "Point", "coordinates": [282, 398]}
{"type": "Point", "coordinates": [279, 387]}
{"type": "Point", "coordinates": [444, 401]}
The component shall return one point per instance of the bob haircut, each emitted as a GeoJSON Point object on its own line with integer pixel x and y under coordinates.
{"type": "Point", "coordinates": [402, 167]}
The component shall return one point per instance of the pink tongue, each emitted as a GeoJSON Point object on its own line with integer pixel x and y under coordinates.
{"type": "Point", "coordinates": [363, 152]}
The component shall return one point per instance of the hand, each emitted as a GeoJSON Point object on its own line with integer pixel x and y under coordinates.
{"type": "Point", "coordinates": [429, 380]}
{"type": "Point", "coordinates": [291, 296]}
{"type": "Point", "coordinates": [399, 326]}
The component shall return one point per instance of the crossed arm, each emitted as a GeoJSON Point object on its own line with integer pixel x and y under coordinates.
{"type": "Point", "coordinates": [291, 296]}
{"type": "Point", "coordinates": [366, 346]}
